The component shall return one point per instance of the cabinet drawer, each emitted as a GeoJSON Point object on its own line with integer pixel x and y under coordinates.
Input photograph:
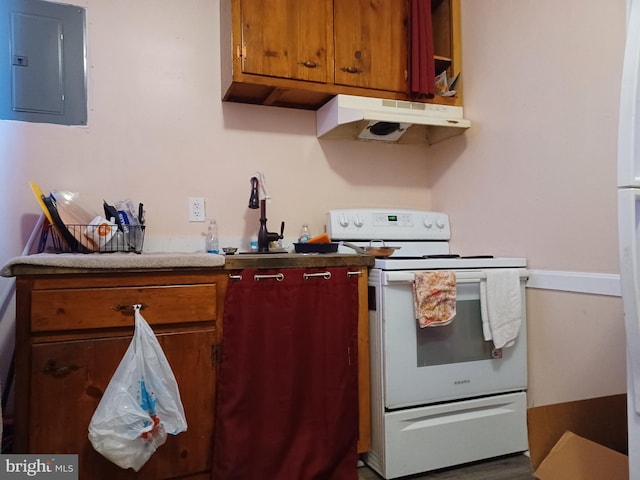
{"type": "Point", "coordinates": [77, 308]}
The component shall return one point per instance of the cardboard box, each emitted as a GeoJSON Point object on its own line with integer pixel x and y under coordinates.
{"type": "Point", "coordinates": [576, 458]}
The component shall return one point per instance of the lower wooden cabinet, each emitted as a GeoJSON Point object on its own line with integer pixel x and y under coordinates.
{"type": "Point", "coordinates": [73, 329]}
{"type": "Point", "coordinates": [72, 332]}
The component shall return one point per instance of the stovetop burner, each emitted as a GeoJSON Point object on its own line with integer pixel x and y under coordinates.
{"type": "Point", "coordinates": [439, 256]}
{"type": "Point", "coordinates": [453, 255]}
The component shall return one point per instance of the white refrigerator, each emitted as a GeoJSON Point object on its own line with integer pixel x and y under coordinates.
{"type": "Point", "coordinates": [629, 223]}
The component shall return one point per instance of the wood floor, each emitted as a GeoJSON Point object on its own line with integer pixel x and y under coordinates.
{"type": "Point", "coordinates": [512, 467]}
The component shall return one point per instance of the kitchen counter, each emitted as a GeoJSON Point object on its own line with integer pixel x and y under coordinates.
{"type": "Point", "coordinates": [61, 263]}
{"type": "Point", "coordinates": [56, 263]}
{"type": "Point", "coordinates": [292, 260]}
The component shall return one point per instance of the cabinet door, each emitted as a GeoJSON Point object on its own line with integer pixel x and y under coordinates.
{"type": "Point", "coordinates": [68, 379]}
{"type": "Point", "coordinates": [286, 38]}
{"type": "Point", "coordinates": [371, 43]}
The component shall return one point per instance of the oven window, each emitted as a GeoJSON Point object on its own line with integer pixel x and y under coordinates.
{"type": "Point", "coordinates": [461, 340]}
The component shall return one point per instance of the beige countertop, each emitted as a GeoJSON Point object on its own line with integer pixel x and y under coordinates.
{"type": "Point", "coordinates": [293, 260]}
{"type": "Point", "coordinates": [61, 263]}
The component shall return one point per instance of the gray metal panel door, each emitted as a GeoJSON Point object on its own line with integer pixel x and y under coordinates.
{"type": "Point", "coordinates": [43, 72]}
{"type": "Point", "coordinates": [37, 61]}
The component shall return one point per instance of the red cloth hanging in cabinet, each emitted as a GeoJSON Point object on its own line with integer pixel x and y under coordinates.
{"type": "Point", "coordinates": [287, 390]}
{"type": "Point", "coordinates": [423, 81]}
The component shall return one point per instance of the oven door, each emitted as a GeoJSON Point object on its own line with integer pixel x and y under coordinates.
{"type": "Point", "coordinates": [426, 365]}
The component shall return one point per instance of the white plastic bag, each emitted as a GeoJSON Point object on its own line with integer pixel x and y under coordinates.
{"type": "Point", "coordinates": [140, 405]}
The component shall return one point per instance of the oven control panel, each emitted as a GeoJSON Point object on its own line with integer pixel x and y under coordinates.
{"type": "Point", "coordinates": [387, 224]}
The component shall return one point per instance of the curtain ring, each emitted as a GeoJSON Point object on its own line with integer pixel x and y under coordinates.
{"type": "Point", "coordinates": [278, 276]}
{"type": "Point", "coordinates": [325, 275]}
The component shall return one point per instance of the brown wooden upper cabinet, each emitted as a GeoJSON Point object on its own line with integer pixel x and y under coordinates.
{"type": "Point", "coordinates": [371, 44]}
{"type": "Point", "coordinates": [300, 53]}
{"type": "Point", "coordinates": [286, 38]}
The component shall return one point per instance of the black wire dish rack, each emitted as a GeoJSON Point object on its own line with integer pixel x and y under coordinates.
{"type": "Point", "coordinates": [91, 239]}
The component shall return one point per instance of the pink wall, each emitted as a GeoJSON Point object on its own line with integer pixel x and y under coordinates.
{"type": "Point", "coordinates": [157, 132]}
{"type": "Point", "coordinates": [541, 88]}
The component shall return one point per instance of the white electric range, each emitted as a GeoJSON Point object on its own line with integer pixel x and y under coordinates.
{"type": "Point", "coordinates": [440, 396]}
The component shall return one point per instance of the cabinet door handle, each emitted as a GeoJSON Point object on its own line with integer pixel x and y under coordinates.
{"type": "Point", "coordinates": [309, 64]}
{"type": "Point", "coordinates": [52, 368]}
{"type": "Point", "coordinates": [351, 69]}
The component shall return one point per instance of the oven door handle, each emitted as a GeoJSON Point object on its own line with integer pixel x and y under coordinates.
{"type": "Point", "coordinates": [462, 276]}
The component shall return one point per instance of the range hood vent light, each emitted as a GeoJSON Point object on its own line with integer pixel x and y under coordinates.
{"type": "Point", "coordinates": [392, 121]}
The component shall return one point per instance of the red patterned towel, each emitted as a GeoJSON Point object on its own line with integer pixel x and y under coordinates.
{"type": "Point", "coordinates": [434, 295]}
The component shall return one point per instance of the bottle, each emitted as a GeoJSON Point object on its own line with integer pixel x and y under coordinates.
{"type": "Point", "coordinates": [211, 243]}
{"type": "Point", "coordinates": [305, 235]}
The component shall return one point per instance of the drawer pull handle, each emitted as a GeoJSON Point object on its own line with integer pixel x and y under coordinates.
{"type": "Point", "coordinates": [235, 277]}
{"type": "Point", "coordinates": [52, 368]}
{"type": "Point", "coordinates": [356, 273]}
{"type": "Point", "coordinates": [325, 275]}
{"type": "Point", "coordinates": [128, 309]}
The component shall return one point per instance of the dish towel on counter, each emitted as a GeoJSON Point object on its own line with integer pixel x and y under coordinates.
{"type": "Point", "coordinates": [501, 306]}
{"type": "Point", "coordinates": [434, 295]}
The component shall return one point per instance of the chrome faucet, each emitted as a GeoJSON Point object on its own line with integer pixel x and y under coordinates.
{"type": "Point", "coordinates": [264, 236]}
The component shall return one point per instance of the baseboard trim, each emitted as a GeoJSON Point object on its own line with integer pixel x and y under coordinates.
{"type": "Point", "coordinates": [580, 282]}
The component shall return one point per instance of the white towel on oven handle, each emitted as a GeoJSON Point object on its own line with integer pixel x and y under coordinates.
{"type": "Point", "coordinates": [486, 329]}
{"type": "Point", "coordinates": [501, 306]}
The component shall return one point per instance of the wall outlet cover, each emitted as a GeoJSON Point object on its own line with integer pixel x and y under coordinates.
{"type": "Point", "coordinates": [196, 209]}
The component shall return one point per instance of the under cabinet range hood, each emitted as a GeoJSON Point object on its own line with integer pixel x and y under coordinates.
{"type": "Point", "coordinates": [393, 121]}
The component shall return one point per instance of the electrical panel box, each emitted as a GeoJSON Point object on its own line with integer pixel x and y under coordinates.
{"type": "Point", "coordinates": [43, 72]}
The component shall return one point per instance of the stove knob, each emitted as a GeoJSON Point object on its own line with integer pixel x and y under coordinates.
{"type": "Point", "coordinates": [344, 221]}
{"type": "Point", "coordinates": [440, 223]}
{"type": "Point", "coordinates": [357, 221]}
{"type": "Point", "coordinates": [428, 223]}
